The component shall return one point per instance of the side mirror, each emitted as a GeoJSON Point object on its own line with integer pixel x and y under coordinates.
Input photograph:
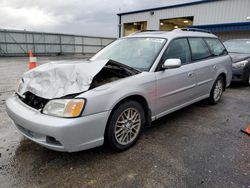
{"type": "Point", "coordinates": [171, 64]}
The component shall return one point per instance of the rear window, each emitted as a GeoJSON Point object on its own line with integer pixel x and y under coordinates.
{"type": "Point", "coordinates": [216, 47]}
{"type": "Point", "coordinates": [199, 49]}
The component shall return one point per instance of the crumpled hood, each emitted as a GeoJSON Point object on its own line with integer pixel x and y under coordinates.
{"type": "Point", "coordinates": [236, 57]}
{"type": "Point", "coordinates": [58, 79]}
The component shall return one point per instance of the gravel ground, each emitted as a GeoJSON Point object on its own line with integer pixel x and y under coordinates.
{"type": "Point", "coordinates": [198, 146]}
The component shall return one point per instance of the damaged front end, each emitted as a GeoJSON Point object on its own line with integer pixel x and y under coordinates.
{"type": "Point", "coordinates": [58, 81]}
{"type": "Point", "coordinates": [33, 101]}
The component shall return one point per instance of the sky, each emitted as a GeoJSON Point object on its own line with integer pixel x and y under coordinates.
{"type": "Point", "coordinates": [84, 17]}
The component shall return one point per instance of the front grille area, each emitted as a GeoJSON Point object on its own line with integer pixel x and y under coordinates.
{"type": "Point", "coordinates": [34, 101]}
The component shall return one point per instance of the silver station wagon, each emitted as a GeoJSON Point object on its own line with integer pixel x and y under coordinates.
{"type": "Point", "coordinates": [77, 105]}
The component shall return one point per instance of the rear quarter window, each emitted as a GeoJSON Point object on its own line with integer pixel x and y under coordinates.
{"type": "Point", "coordinates": [216, 47]}
{"type": "Point", "coordinates": [199, 49]}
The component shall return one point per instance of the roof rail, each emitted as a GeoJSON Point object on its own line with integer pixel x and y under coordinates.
{"type": "Point", "coordinates": [179, 29]}
{"type": "Point", "coordinates": [194, 29]}
{"type": "Point", "coordinates": [151, 31]}
{"type": "Point", "coordinates": [143, 31]}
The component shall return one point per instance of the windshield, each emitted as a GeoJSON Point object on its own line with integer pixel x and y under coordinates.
{"type": "Point", "coordinates": [238, 46]}
{"type": "Point", "coordinates": [138, 53]}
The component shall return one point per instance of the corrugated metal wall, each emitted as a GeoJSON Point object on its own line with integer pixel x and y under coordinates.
{"type": "Point", "coordinates": [18, 43]}
{"type": "Point", "coordinates": [217, 12]}
{"type": "Point", "coordinates": [224, 36]}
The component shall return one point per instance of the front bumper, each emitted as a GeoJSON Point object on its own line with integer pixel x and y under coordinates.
{"type": "Point", "coordinates": [60, 134]}
{"type": "Point", "coordinates": [240, 75]}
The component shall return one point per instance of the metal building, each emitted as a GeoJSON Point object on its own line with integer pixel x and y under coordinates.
{"type": "Point", "coordinates": [226, 18]}
{"type": "Point", "coordinates": [18, 43]}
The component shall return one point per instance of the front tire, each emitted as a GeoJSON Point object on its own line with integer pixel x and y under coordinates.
{"type": "Point", "coordinates": [217, 90]}
{"type": "Point", "coordinates": [247, 82]}
{"type": "Point", "coordinates": [125, 126]}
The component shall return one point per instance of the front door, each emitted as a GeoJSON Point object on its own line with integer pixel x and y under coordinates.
{"type": "Point", "coordinates": [175, 87]}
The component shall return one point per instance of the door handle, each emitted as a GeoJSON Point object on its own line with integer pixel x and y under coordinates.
{"type": "Point", "coordinates": [190, 74]}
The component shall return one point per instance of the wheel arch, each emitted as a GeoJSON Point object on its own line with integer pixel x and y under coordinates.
{"type": "Point", "coordinates": [223, 75]}
{"type": "Point", "coordinates": [138, 98]}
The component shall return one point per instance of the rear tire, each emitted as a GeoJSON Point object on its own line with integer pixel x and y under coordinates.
{"type": "Point", "coordinates": [125, 126]}
{"type": "Point", "coordinates": [217, 90]}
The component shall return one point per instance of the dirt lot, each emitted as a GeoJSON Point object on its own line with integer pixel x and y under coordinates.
{"type": "Point", "coordinates": [199, 146]}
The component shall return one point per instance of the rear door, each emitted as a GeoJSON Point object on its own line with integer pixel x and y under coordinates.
{"type": "Point", "coordinates": [205, 66]}
{"type": "Point", "coordinates": [175, 87]}
{"type": "Point", "coordinates": [206, 54]}
{"type": "Point", "coordinates": [219, 55]}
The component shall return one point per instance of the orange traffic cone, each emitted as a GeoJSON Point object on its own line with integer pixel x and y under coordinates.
{"type": "Point", "coordinates": [247, 131]}
{"type": "Point", "coordinates": [32, 61]}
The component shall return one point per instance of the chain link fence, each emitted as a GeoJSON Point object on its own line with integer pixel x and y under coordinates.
{"type": "Point", "coordinates": [18, 43]}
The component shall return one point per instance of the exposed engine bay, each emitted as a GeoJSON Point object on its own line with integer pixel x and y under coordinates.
{"type": "Point", "coordinates": [111, 72]}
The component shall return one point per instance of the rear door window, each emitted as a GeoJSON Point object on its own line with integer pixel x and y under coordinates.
{"type": "Point", "coordinates": [216, 47]}
{"type": "Point", "coordinates": [199, 49]}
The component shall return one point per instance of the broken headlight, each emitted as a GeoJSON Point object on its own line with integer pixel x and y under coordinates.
{"type": "Point", "coordinates": [19, 86]}
{"type": "Point", "coordinates": [68, 108]}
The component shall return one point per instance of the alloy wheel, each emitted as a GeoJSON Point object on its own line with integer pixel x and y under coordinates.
{"type": "Point", "coordinates": [218, 90]}
{"type": "Point", "coordinates": [127, 126]}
